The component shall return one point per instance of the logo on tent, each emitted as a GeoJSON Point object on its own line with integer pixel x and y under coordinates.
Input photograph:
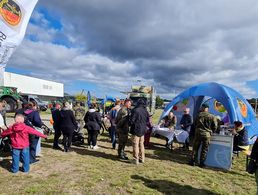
{"type": "Point", "coordinates": [219, 107]}
{"type": "Point", "coordinates": [11, 12]}
{"type": "Point", "coordinates": [242, 107]}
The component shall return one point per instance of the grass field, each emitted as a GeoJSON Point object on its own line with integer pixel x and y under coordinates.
{"type": "Point", "coordinates": [87, 171]}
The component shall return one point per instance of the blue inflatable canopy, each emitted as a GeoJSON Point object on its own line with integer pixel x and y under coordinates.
{"type": "Point", "coordinates": [221, 97]}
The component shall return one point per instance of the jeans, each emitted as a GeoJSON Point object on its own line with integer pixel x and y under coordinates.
{"type": "Point", "coordinates": [113, 136]}
{"type": "Point", "coordinates": [138, 148]}
{"type": "Point", "coordinates": [38, 148]}
{"type": "Point", "coordinates": [33, 148]}
{"type": "Point", "coordinates": [24, 155]}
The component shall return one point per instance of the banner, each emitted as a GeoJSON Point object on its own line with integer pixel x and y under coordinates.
{"type": "Point", "coordinates": [220, 152]}
{"type": "Point", "coordinates": [14, 18]}
{"type": "Point", "coordinates": [88, 99]}
{"type": "Point", "coordinates": [1, 75]}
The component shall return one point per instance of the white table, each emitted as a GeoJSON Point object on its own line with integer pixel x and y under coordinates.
{"type": "Point", "coordinates": [180, 135]}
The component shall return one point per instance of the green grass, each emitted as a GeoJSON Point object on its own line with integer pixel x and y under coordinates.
{"type": "Point", "coordinates": [86, 171]}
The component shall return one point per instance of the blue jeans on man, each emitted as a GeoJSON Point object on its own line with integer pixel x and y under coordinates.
{"type": "Point", "coordinates": [24, 156]}
{"type": "Point", "coordinates": [113, 136]}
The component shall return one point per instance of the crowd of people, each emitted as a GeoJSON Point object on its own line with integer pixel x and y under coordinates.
{"type": "Point", "coordinates": [26, 132]}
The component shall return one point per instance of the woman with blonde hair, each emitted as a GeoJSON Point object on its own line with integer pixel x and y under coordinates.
{"type": "Point", "coordinates": [67, 124]}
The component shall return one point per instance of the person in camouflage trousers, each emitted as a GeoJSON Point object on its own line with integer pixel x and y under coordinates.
{"type": "Point", "coordinates": [79, 113]}
{"type": "Point", "coordinates": [205, 125]}
{"type": "Point", "coordinates": [122, 124]}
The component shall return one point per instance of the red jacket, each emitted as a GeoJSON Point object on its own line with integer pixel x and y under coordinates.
{"type": "Point", "coordinates": [19, 134]}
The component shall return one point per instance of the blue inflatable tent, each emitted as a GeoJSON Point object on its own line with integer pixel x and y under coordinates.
{"type": "Point", "coordinates": [223, 100]}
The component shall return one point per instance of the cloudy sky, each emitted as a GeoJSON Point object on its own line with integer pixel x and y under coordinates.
{"type": "Point", "coordinates": [108, 45]}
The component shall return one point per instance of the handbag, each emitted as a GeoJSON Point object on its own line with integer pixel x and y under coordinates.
{"type": "Point", "coordinates": [251, 166]}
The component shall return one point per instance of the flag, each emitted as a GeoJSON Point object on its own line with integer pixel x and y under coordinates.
{"type": "Point", "coordinates": [1, 75]}
{"type": "Point", "coordinates": [14, 18]}
{"type": "Point", "coordinates": [88, 99]}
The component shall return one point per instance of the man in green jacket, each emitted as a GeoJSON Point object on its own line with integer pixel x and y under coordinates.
{"type": "Point", "coordinates": [122, 125]}
{"type": "Point", "coordinates": [205, 125]}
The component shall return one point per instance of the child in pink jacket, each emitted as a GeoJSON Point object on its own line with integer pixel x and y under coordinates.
{"type": "Point", "coordinates": [19, 134]}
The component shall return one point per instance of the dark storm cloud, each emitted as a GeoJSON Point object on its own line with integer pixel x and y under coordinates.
{"type": "Point", "coordinates": [172, 44]}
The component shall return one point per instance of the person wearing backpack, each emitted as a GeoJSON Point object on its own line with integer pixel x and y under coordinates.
{"type": "Point", "coordinates": [112, 117]}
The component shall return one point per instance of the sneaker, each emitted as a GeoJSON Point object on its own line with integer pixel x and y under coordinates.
{"type": "Point", "coordinates": [91, 146]}
{"type": "Point", "coordinates": [95, 147]}
{"type": "Point", "coordinates": [135, 161]}
{"type": "Point", "coordinates": [35, 161]}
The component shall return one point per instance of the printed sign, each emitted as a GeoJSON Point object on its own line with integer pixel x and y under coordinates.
{"type": "Point", "coordinates": [14, 18]}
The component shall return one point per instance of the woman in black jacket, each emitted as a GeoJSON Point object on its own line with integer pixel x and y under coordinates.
{"type": "Point", "coordinates": [92, 121]}
{"type": "Point", "coordinates": [67, 124]}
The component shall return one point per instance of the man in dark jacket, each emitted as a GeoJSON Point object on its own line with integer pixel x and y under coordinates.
{"type": "Point", "coordinates": [185, 123]}
{"type": "Point", "coordinates": [67, 125]}
{"type": "Point", "coordinates": [122, 125]}
{"type": "Point", "coordinates": [139, 120]}
{"type": "Point", "coordinates": [56, 125]}
{"type": "Point", "coordinates": [205, 125]}
{"type": "Point", "coordinates": [240, 136]}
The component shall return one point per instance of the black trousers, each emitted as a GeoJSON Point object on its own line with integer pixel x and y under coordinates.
{"type": "Point", "coordinates": [67, 140]}
{"type": "Point", "coordinates": [33, 146]}
{"type": "Point", "coordinates": [92, 137]}
{"type": "Point", "coordinates": [57, 135]}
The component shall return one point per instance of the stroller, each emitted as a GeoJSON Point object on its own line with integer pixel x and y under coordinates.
{"type": "Point", "coordinates": [5, 144]}
{"type": "Point", "coordinates": [78, 138]}
{"type": "Point", "coordinates": [46, 130]}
